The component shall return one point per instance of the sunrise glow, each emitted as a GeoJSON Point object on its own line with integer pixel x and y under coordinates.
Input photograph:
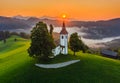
{"type": "Point", "coordinates": [63, 16]}
{"type": "Point", "coordinates": [78, 9]}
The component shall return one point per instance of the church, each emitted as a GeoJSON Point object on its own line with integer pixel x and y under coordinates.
{"type": "Point", "coordinates": [62, 43]}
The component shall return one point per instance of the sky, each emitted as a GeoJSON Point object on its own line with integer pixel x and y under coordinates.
{"type": "Point", "coordinates": [77, 9]}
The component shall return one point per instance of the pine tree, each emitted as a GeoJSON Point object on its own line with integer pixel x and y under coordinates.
{"type": "Point", "coordinates": [51, 29]}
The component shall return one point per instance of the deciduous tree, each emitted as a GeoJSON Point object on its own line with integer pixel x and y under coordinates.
{"type": "Point", "coordinates": [42, 42]}
{"type": "Point", "coordinates": [76, 43]}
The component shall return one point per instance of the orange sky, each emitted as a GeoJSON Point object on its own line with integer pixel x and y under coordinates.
{"type": "Point", "coordinates": [78, 9]}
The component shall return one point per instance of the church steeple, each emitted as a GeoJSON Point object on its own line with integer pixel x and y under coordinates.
{"type": "Point", "coordinates": [64, 39]}
{"type": "Point", "coordinates": [63, 45]}
{"type": "Point", "coordinates": [63, 31]}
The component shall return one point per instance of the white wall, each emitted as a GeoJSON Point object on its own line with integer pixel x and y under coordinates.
{"type": "Point", "coordinates": [64, 42]}
{"type": "Point", "coordinates": [56, 51]}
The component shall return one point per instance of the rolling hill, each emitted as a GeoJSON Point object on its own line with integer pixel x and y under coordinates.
{"type": "Point", "coordinates": [17, 67]}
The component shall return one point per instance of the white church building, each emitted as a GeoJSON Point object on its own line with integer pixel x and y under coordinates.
{"type": "Point", "coordinates": [62, 44]}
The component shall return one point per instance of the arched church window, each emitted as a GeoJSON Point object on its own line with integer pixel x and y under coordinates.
{"type": "Point", "coordinates": [62, 37]}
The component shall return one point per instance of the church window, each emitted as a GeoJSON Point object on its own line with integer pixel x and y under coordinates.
{"type": "Point", "coordinates": [62, 37]}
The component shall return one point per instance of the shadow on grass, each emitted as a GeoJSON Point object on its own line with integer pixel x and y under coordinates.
{"type": "Point", "coordinates": [58, 59]}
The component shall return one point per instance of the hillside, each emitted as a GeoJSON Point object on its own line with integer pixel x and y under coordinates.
{"type": "Point", "coordinates": [17, 67]}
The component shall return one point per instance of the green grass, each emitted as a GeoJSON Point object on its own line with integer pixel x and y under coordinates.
{"type": "Point", "coordinates": [17, 67]}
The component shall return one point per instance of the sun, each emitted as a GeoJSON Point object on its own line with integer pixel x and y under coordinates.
{"type": "Point", "coordinates": [64, 16]}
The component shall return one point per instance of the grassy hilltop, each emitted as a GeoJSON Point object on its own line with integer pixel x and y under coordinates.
{"type": "Point", "coordinates": [17, 67]}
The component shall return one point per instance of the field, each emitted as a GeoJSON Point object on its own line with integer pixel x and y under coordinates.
{"type": "Point", "coordinates": [17, 67]}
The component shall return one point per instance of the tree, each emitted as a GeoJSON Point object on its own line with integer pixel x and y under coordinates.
{"type": "Point", "coordinates": [24, 35]}
{"type": "Point", "coordinates": [4, 38]}
{"type": "Point", "coordinates": [76, 43]}
{"type": "Point", "coordinates": [15, 39]}
{"type": "Point", "coordinates": [14, 33]}
{"type": "Point", "coordinates": [42, 42]}
{"type": "Point", "coordinates": [4, 35]}
{"type": "Point", "coordinates": [84, 48]}
{"type": "Point", "coordinates": [7, 34]}
{"type": "Point", "coordinates": [51, 29]}
{"type": "Point", "coordinates": [1, 35]}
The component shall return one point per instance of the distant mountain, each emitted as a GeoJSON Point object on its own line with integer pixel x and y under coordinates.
{"type": "Point", "coordinates": [99, 29]}
{"type": "Point", "coordinates": [21, 17]}
{"type": "Point", "coordinates": [48, 17]}
{"type": "Point", "coordinates": [32, 20]}
{"type": "Point", "coordinates": [8, 23]}
{"type": "Point", "coordinates": [93, 29]}
{"type": "Point", "coordinates": [111, 44]}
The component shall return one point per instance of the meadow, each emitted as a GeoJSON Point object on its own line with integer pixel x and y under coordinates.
{"type": "Point", "coordinates": [17, 67]}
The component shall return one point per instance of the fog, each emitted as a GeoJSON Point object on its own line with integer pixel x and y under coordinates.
{"type": "Point", "coordinates": [89, 42]}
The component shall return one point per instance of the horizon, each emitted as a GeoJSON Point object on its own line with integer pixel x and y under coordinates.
{"type": "Point", "coordinates": [60, 18]}
{"type": "Point", "coordinates": [76, 9]}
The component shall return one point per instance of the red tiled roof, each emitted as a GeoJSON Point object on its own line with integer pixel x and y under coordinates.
{"type": "Point", "coordinates": [63, 31]}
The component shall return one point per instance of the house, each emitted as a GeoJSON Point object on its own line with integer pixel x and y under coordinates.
{"type": "Point", "coordinates": [109, 53]}
{"type": "Point", "coordinates": [62, 43]}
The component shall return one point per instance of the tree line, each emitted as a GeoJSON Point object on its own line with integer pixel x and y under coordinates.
{"type": "Point", "coordinates": [6, 34]}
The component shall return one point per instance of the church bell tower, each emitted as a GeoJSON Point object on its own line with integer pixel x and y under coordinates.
{"type": "Point", "coordinates": [64, 40]}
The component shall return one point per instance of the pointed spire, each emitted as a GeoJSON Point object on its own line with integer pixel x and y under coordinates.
{"type": "Point", "coordinates": [63, 31]}
{"type": "Point", "coordinates": [63, 24]}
